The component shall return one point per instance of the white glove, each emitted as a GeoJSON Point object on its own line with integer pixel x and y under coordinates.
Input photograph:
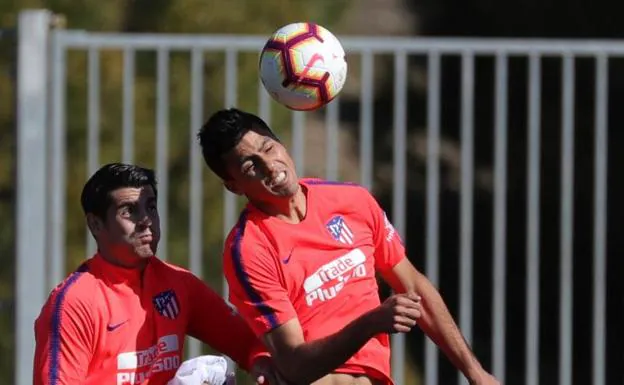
{"type": "Point", "coordinates": [203, 370]}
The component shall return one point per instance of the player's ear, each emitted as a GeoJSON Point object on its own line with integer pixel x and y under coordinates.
{"type": "Point", "coordinates": [232, 187]}
{"type": "Point", "coordinates": [94, 223]}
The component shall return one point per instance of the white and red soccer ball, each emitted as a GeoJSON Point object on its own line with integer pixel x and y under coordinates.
{"type": "Point", "coordinates": [303, 66]}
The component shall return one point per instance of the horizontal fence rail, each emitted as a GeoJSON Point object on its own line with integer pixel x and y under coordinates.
{"type": "Point", "coordinates": [379, 45]}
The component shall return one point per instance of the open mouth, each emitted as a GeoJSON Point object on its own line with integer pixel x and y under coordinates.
{"type": "Point", "coordinates": [279, 179]}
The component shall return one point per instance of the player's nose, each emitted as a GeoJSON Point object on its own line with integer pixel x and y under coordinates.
{"type": "Point", "coordinates": [273, 169]}
{"type": "Point", "coordinates": [269, 167]}
{"type": "Point", "coordinates": [144, 219]}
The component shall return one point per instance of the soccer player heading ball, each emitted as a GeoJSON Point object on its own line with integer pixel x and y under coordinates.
{"type": "Point", "coordinates": [301, 265]}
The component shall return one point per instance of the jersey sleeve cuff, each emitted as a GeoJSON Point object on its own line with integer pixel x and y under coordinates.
{"type": "Point", "coordinates": [257, 351]}
{"type": "Point", "coordinates": [269, 318]}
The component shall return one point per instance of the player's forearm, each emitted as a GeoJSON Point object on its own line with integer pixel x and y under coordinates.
{"type": "Point", "coordinates": [313, 360]}
{"type": "Point", "coordinates": [438, 324]}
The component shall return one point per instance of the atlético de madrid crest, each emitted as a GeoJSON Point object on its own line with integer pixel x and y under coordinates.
{"type": "Point", "coordinates": [167, 304]}
{"type": "Point", "coordinates": [339, 230]}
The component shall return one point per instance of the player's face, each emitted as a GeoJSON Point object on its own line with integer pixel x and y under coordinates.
{"type": "Point", "coordinates": [261, 168]}
{"type": "Point", "coordinates": [132, 228]}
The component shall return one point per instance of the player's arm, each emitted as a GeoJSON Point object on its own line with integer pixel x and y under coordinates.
{"type": "Point", "coordinates": [258, 292]}
{"type": "Point", "coordinates": [213, 322]}
{"type": "Point", "coordinates": [436, 321]}
{"type": "Point", "coordinates": [64, 335]}
{"type": "Point", "coordinates": [305, 362]}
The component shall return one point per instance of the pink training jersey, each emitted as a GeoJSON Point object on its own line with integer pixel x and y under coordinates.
{"type": "Point", "coordinates": [321, 270]}
{"type": "Point", "coordinates": [106, 325]}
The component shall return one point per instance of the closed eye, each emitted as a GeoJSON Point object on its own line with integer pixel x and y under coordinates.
{"type": "Point", "coordinates": [248, 167]}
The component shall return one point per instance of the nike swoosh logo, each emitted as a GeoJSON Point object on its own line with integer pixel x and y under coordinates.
{"type": "Point", "coordinates": [287, 259]}
{"type": "Point", "coordinates": [316, 57]}
{"type": "Point", "coordinates": [112, 327]}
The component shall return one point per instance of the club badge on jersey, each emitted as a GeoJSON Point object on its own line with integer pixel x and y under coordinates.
{"type": "Point", "coordinates": [339, 230]}
{"type": "Point", "coordinates": [167, 304]}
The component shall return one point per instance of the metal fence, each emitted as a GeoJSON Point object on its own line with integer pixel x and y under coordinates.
{"type": "Point", "coordinates": [42, 147]}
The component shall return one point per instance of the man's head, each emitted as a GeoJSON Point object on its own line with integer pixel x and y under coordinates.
{"type": "Point", "coordinates": [245, 153]}
{"type": "Point", "coordinates": [119, 202]}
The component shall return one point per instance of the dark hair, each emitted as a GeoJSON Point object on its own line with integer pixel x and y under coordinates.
{"type": "Point", "coordinates": [223, 131]}
{"type": "Point", "coordinates": [95, 197]}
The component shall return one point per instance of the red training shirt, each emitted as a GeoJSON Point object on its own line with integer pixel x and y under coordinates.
{"type": "Point", "coordinates": [321, 270]}
{"type": "Point", "coordinates": [105, 325]}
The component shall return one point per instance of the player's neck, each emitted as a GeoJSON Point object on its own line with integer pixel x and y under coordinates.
{"type": "Point", "coordinates": [121, 260]}
{"type": "Point", "coordinates": [292, 209]}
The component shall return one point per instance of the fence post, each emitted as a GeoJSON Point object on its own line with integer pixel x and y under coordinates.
{"type": "Point", "coordinates": [30, 238]}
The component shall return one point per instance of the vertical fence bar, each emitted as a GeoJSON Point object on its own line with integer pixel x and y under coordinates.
{"type": "Point", "coordinates": [466, 229]}
{"type": "Point", "coordinates": [500, 218]}
{"type": "Point", "coordinates": [433, 198]}
{"type": "Point", "coordinates": [93, 126]}
{"type": "Point", "coordinates": [196, 190]}
{"type": "Point", "coordinates": [56, 166]}
{"type": "Point", "coordinates": [162, 146]}
{"type": "Point", "coordinates": [600, 221]}
{"type": "Point", "coordinates": [366, 121]}
{"type": "Point", "coordinates": [231, 99]}
{"type": "Point", "coordinates": [399, 203]}
{"type": "Point", "coordinates": [533, 223]}
{"type": "Point", "coordinates": [298, 141]}
{"type": "Point", "coordinates": [332, 139]}
{"type": "Point", "coordinates": [127, 151]}
{"type": "Point", "coordinates": [31, 165]}
{"type": "Point", "coordinates": [567, 216]}
{"type": "Point", "coordinates": [264, 103]}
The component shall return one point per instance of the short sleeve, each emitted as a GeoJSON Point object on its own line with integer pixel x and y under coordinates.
{"type": "Point", "coordinates": [255, 288]}
{"type": "Point", "coordinates": [389, 247]}
{"type": "Point", "coordinates": [64, 334]}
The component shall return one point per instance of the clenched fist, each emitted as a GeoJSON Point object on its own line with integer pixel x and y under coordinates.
{"type": "Point", "coordinates": [398, 314]}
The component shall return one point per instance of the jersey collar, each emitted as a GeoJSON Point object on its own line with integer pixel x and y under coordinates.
{"type": "Point", "coordinates": [117, 274]}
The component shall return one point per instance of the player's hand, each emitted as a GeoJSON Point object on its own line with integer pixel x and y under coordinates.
{"type": "Point", "coordinates": [399, 313]}
{"type": "Point", "coordinates": [264, 372]}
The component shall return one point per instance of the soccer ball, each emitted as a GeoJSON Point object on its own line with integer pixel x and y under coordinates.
{"type": "Point", "coordinates": [303, 66]}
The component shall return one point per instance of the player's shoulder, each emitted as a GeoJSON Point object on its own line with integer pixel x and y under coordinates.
{"type": "Point", "coordinates": [75, 297]}
{"type": "Point", "coordinates": [334, 186]}
{"type": "Point", "coordinates": [168, 271]}
{"type": "Point", "coordinates": [249, 243]}
{"type": "Point", "coordinates": [247, 232]}
{"type": "Point", "coordinates": [325, 184]}
{"type": "Point", "coordinates": [77, 289]}
{"type": "Point", "coordinates": [342, 191]}
{"type": "Point", "coordinates": [165, 268]}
